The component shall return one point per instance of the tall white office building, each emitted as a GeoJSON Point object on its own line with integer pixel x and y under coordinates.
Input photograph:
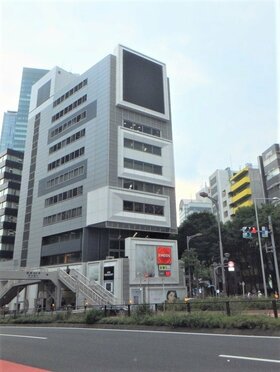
{"type": "Point", "coordinates": [98, 164]}
{"type": "Point", "coordinates": [219, 183]}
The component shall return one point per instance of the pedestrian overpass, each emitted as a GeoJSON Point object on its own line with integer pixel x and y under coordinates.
{"type": "Point", "coordinates": [16, 280]}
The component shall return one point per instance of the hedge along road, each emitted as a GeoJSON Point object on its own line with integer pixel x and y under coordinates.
{"type": "Point", "coordinates": [88, 349]}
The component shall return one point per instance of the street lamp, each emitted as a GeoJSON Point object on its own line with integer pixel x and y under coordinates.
{"type": "Point", "coordinates": [215, 202]}
{"type": "Point", "coordinates": [189, 238]}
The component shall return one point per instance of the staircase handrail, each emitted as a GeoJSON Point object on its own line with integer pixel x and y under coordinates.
{"type": "Point", "coordinates": [75, 284]}
{"type": "Point", "coordinates": [103, 292]}
{"type": "Point", "coordinates": [7, 287]}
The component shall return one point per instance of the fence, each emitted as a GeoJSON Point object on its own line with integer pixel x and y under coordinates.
{"type": "Point", "coordinates": [227, 307]}
{"type": "Point", "coordinates": [234, 307]}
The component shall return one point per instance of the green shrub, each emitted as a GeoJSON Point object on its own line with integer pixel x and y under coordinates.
{"type": "Point", "coordinates": [93, 316]}
{"type": "Point", "coordinates": [141, 310]}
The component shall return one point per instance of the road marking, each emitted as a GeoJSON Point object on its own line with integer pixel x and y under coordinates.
{"type": "Point", "coordinates": [249, 358]}
{"type": "Point", "coordinates": [171, 332]}
{"type": "Point", "coordinates": [148, 331]}
{"type": "Point", "coordinates": [9, 335]}
{"type": "Point", "coordinates": [16, 367]}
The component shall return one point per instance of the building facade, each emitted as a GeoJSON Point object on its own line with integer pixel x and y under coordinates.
{"type": "Point", "coordinates": [29, 77]}
{"type": "Point", "coordinates": [245, 187]}
{"type": "Point", "coordinates": [219, 183]}
{"type": "Point", "coordinates": [269, 163]}
{"type": "Point", "coordinates": [189, 206]}
{"type": "Point", "coordinates": [99, 162]}
{"type": "Point", "coordinates": [10, 179]}
{"type": "Point", "coordinates": [7, 132]}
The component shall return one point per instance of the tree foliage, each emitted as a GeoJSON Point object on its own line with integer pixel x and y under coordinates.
{"type": "Point", "coordinates": [244, 252]}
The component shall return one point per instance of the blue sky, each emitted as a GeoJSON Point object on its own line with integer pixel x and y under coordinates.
{"type": "Point", "coordinates": [221, 58]}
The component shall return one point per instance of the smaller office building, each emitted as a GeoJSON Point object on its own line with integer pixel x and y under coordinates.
{"type": "Point", "coordinates": [269, 164]}
{"type": "Point", "coordinates": [245, 187]}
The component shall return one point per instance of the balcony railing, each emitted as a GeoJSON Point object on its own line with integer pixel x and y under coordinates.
{"type": "Point", "coordinates": [241, 195]}
{"type": "Point", "coordinates": [244, 181]}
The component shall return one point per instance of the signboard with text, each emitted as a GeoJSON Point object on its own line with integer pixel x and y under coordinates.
{"type": "Point", "coordinates": [164, 255]}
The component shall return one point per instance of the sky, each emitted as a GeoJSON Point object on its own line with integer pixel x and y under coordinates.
{"type": "Point", "coordinates": [222, 59]}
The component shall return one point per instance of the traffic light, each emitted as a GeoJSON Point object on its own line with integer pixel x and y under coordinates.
{"type": "Point", "coordinates": [253, 230]}
{"type": "Point", "coordinates": [231, 265]}
{"type": "Point", "coordinates": [247, 232]}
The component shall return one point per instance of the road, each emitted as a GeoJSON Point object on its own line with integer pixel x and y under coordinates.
{"type": "Point", "coordinates": [88, 349]}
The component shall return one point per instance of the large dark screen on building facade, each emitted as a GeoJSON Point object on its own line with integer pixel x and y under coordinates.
{"type": "Point", "coordinates": [142, 82]}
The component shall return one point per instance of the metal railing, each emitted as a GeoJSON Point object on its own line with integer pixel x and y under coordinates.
{"type": "Point", "coordinates": [95, 294]}
{"type": "Point", "coordinates": [5, 289]}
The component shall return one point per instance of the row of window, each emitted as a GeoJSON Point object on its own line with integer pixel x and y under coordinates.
{"type": "Point", "coordinates": [70, 92]}
{"type": "Point", "coordinates": [68, 124]}
{"type": "Point", "coordinates": [213, 181]}
{"type": "Point", "coordinates": [135, 207]}
{"type": "Point", "coordinates": [6, 247]}
{"type": "Point", "coordinates": [8, 191]}
{"type": "Point", "coordinates": [69, 108]}
{"type": "Point", "coordinates": [7, 232]}
{"type": "Point", "coordinates": [142, 166]}
{"type": "Point", "coordinates": [64, 196]}
{"type": "Point", "coordinates": [6, 218]}
{"type": "Point", "coordinates": [64, 237]}
{"type": "Point", "coordinates": [10, 170]}
{"type": "Point", "coordinates": [6, 204]}
{"type": "Point", "coordinates": [58, 259]}
{"type": "Point", "coordinates": [66, 176]}
{"type": "Point", "coordinates": [67, 141]}
{"type": "Point", "coordinates": [135, 145]}
{"type": "Point", "coordinates": [272, 173]}
{"type": "Point", "coordinates": [142, 186]}
{"type": "Point", "coordinates": [65, 159]}
{"type": "Point", "coordinates": [11, 157]}
{"type": "Point", "coordinates": [62, 216]}
{"type": "Point", "coordinates": [141, 128]}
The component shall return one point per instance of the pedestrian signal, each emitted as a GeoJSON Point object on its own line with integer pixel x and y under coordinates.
{"type": "Point", "coordinates": [264, 232]}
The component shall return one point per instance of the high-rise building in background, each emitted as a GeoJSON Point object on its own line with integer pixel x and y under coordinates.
{"type": "Point", "coordinates": [219, 188]}
{"type": "Point", "coordinates": [7, 132]}
{"type": "Point", "coordinates": [269, 163]}
{"type": "Point", "coordinates": [197, 205]}
{"type": "Point", "coordinates": [10, 180]}
{"type": "Point", "coordinates": [99, 162]}
{"type": "Point", "coordinates": [29, 77]}
{"type": "Point", "coordinates": [245, 187]}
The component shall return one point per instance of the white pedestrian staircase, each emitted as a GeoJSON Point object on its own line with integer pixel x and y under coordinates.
{"type": "Point", "coordinates": [92, 291]}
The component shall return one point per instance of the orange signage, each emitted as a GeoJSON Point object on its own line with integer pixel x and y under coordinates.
{"type": "Point", "coordinates": [164, 255]}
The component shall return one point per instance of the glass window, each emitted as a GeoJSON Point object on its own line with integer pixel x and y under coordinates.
{"type": "Point", "coordinates": [128, 163]}
{"type": "Point", "coordinates": [127, 206]}
{"type": "Point", "coordinates": [138, 185]}
{"type": "Point", "coordinates": [138, 207]}
{"type": "Point", "coordinates": [128, 184]}
{"type": "Point", "coordinates": [138, 165]}
{"type": "Point", "coordinates": [159, 210]}
{"type": "Point", "coordinates": [157, 169]}
{"type": "Point", "coordinates": [149, 209]}
{"type": "Point", "coordinates": [148, 167]}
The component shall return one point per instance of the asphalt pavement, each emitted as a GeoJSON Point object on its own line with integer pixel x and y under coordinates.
{"type": "Point", "coordinates": [92, 349]}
